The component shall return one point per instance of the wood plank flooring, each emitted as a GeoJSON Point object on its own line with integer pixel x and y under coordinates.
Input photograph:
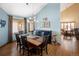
{"type": "Point", "coordinates": [68, 47]}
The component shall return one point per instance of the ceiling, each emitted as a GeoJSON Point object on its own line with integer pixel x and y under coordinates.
{"type": "Point", "coordinates": [64, 6]}
{"type": "Point", "coordinates": [22, 9]}
{"type": "Point", "coordinates": [71, 14]}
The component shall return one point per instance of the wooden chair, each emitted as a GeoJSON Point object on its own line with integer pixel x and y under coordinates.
{"type": "Point", "coordinates": [26, 46]}
{"type": "Point", "coordinates": [21, 32]}
{"type": "Point", "coordinates": [76, 30]}
{"type": "Point", "coordinates": [43, 46]}
{"type": "Point", "coordinates": [19, 45]}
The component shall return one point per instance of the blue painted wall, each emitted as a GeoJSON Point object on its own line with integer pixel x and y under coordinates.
{"type": "Point", "coordinates": [52, 12]}
{"type": "Point", "coordinates": [3, 30]}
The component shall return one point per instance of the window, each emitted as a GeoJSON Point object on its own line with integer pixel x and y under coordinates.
{"type": "Point", "coordinates": [67, 25]}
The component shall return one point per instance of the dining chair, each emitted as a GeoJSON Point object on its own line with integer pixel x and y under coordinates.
{"type": "Point", "coordinates": [43, 46]}
{"type": "Point", "coordinates": [76, 30]}
{"type": "Point", "coordinates": [26, 46]}
{"type": "Point", "coordinates": [21, 32]}
{"type": "Point", "coordinates": [19, 44]}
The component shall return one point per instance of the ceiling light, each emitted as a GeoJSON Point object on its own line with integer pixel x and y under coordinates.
{"type": "Point", "coordinates": [27, 3]}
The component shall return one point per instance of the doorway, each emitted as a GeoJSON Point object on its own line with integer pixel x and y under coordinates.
{"type": "Point", "coordinates": [18, 26]}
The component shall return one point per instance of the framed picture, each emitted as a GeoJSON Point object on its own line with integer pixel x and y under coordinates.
{"type": "Point", "coordinates": [2, 23]}
{"type": "Point", "coordinates": [46, 23]}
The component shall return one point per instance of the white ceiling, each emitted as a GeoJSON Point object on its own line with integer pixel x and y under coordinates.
{"type": "Point", "coordinates": [64, 6]}
{"type": "Point", "coordinates": [21, 9]}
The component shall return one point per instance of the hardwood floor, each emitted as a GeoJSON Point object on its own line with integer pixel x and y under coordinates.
{"type": "Point", "coordinates": [68, 47]}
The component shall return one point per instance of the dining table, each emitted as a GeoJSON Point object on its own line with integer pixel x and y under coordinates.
{"type": "Point", "coordinates": [34, 40]}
